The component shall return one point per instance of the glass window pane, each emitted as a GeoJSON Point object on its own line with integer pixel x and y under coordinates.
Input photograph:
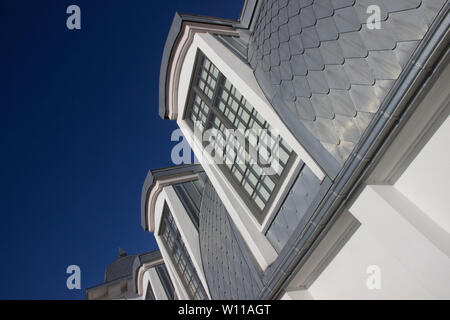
{"type": "Point", "coordinates": [229, 109]}
{"type": "Point", "coordinates": [180, 256]}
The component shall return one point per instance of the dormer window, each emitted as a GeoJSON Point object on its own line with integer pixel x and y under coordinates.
{"type": "Point", "coordinates": [180, 257]}
{"type": "Point", "coordinates": [215, 103]}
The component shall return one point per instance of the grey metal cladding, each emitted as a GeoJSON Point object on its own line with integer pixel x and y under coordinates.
{"type": "Point", "coordinates": [297, 202]}
{"type": "Point", "coordinates": [229, 270]}
{"type": "Point", "coordinates": [237, 45]}
{"type": "Point", "coordinates": [120, 268]}
{"type": "Point", "coordinates": [337, 63]}
{"type": "Point", "coordinates": [190, 194]}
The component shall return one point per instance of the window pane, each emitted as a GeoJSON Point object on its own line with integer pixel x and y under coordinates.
{"type": "Point", "coordinates": [227, 108]}
{"type": "Point", "coordinates": [180, 257]}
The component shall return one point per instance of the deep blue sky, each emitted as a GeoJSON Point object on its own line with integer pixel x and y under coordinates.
{"type": "Point", "coordinates": [79, 129]}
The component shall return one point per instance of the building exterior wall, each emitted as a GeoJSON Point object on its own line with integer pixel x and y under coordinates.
{"type": "Point", "coordinates": [402, 241]}
{"type": "Point", "coordinates": [336, 91]}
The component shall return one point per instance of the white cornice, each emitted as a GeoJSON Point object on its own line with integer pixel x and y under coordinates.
{"type": "Point", "coordinates": [176, 62]}
{"type": "Point", "coordinates": [156, 190]}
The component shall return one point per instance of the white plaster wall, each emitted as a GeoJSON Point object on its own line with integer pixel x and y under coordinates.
{"type": "Point", "coordinates": [297, 295]}
{"type": "Point", "coordinates": [404, 231]}
{"type": "Point", "coordinates": [411, 265]}
{"type": "Point", "coordinates": [427, 178]}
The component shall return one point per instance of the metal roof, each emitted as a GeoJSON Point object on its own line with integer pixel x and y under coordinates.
{"type": "Point", "coordinates": [326, 73]}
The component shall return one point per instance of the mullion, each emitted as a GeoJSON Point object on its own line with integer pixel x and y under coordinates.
{"type": "Point", "coordinates": [205, 100]}
{"type": "Point", "coordinates": [232, 99]}
{"type": "Point", "coordinates": [182, 262]}
{"type": "Point", "coordinates": [225, 120]}
{"type": "Point", "coordinates": [209, 74]}
{"type": "Point", "coordinates": [263, 198]}
{"type": "Point", "coordinates": [241, 106]}
{"type": "Point", "coordinates": [261, 181]}
{"type": "Point", "coordinates": [238, 168]}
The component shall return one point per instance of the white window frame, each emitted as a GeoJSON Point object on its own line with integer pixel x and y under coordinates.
{"type": "Point", "coordinates": [151, 278]}
{"type": "Point", "coordinates": [189, 235]}
{"type": "Point", "coordinates": [242, 77]}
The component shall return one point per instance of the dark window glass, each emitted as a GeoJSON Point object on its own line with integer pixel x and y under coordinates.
{"type": "Point", "coordinates": [164, 277]}
{"type": "Point", "coordinates": [190, 194]}
{"type": "Point", "coordinates": [149, 294]}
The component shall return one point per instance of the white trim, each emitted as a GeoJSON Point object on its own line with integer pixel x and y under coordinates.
{"type": "Point", "coordinates": [140, 274]}
{"type": "Point", "coordinates": [432, 110]}
{"type": "Point", "coordinates": [246, 83]}
{"type": "Point", "coordinates": [242, 77]}
{"type": "Point", "coordinates": [156, 189]}
{"type": "Point", "coordinates": [335, 239]}
{"type": "Point", "coordinates": [188, 232]}
{"type": "Point", "coordinates": [173, 274]}
{"type": "Point", "coordinates": [151, 276]}
{"type": "Point", "coordinates": [388, 214]}
{"type": "Point", "coordinates": [297, 295]}
{"type": "Point", "coordinates": [176, 63]}
{"type": "Point", "coordinates": [258, 244]}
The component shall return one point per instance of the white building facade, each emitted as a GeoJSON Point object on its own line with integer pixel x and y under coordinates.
{"type": "Point", "coordinates": [357, 207]}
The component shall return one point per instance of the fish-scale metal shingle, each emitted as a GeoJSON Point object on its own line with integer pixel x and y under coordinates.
{"type": "Point", "coordinates": [337, 4]}
{"type": "Point", "coordinates": [401, 5]}
{"type": "Point", "coordinates": [342, 103]}
{"type": "Point", "coordinates": [228, 269]}
{"type": "Point", "coordinates": [352, 45]}
{"type": "Point", "coordinates": [377, 39]}
{"type": "Point", "coordinates": [358, 71]}
{"type": "Point", "coordinates": [326, 29]}
{"type": "Point", "coordinates": [307, 17]}
{"type": "Point", "coordinates": [407, 27]}
{"type": "Point", "coordinates": [362, 6]}
{"type": "Point", "coordinates": [323, 9]}
{"type": "Point", "coordinates": [294, 25]}
{"type": "Point", "coordinates": [293, 8]}
{"type": "Point", "coordinates": [310, 38]}
{"type": "Point", "coordinates": [347, 20]}
{"type": "Point", "coordinates": [322, 106]}
{"type": "Point", "coordinates": [331, 52]}
{"type": "Point", "coordinates": [285, 53]}
{"type": "Point", "coordinates": [305, 109]}
{"type": "Point", "coordinates": [292, 211]}
{"type": "Point", "coordinates": [336, 59]}
{"type": "Point", "coordinates": [298, 65]}
{"type": "Point", "coordinates": [384, 64]}
{"type": "Point", "coordinates": [336, 77]}
{"type": "Point", "coordinates": [286, 71]}
{"type": "Point", "coordinates": [313, 59]}
{"type": "Point", "coordinates": [283, 33]}
{"type": "Point", "coordinates": [301, 87]}
{"type": "Point", "coordinates": [295, 45]}
{"type": "Point", "coordinates": [317, 82]}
